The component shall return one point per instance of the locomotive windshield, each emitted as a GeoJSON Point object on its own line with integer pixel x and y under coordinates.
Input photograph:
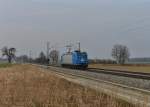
{"type": "Point", "coordinates": [84, 55]}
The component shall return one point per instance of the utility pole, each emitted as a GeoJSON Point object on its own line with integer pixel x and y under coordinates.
{"type": "Point", "coordinates": [30, 56]}
{"type": "Point", "coordinates": [79, 46]}
{"type": "Point", "coordinates": [48, 49]}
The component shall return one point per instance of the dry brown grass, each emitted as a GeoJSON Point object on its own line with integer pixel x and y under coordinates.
{"type": "Point", "coordinates": [134, 68]}
{"type": "Point", "coordinates": [29, 86]}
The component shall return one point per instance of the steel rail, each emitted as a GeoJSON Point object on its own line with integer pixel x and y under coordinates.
{"type": "Point", "coordinates": [138, 75]}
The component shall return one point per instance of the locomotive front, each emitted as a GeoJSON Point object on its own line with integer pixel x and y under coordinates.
{"type": "Point", "coordinates": [75, 59]}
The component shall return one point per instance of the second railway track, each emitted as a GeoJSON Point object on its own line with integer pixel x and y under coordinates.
{"type": "Point", "coordinates": [131, 74]}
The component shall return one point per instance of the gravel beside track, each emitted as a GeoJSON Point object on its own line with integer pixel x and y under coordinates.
{"type": "Point", "coordinates": [129, 81]}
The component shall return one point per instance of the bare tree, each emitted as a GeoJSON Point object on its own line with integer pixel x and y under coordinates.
{"type": "Point", "coordinates": [9, 53]}
{"type": "Point", "coordinates": [22, 59]}
{"type": "Point", "coordinates": [54, 56]}
{"type": "Point", "coordinates": [120, 53]}
{"type": "Point", "coordinates": [41, 59]}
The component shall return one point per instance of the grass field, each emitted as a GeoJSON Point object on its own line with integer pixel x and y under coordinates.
{"type": "Point", "coordinates": [4, 65]}
{"type": "Point", "coordinates": [29, 86]}
{"type": "Point", "coordinates": [134, 68]}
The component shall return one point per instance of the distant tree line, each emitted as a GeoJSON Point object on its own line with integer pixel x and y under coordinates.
{"type": "Point", "coordinates": [102, 61]}
{"type": "Point", "coordinates": [42, 59]}
{"type": "Point", "coordinates": [120, 53]}
{"type": "Point", "coordinates": [23, 59]}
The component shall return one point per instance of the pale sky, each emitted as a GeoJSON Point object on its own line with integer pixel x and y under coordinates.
{"type": "Point", "coordinates": [97, 24]}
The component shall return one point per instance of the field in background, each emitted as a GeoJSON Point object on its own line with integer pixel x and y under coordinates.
{"type": "Point", "coordinates": [29, 86]}
{"type": "Point", "coordinates": [134, 68]}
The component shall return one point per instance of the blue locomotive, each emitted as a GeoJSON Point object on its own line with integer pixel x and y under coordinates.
{"type": "Point", "coordinates": [75, 59]}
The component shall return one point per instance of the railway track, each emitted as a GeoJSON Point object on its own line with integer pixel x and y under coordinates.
{"type": "Point", "coordinates": [138, 75]}
{"type": "Point", "coordinates": [127, 93]}
{"type": "Point", "coordinates": [62, 71]}
{"type": "Point", "coordinates": [130, 74]}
